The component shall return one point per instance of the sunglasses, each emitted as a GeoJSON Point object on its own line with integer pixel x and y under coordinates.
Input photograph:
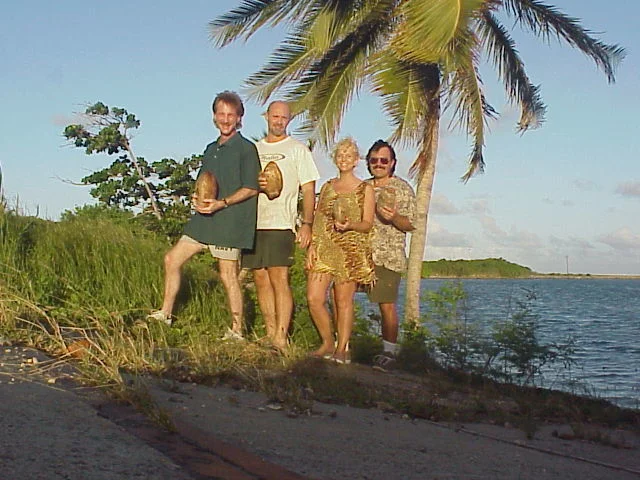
{"type": "Point", "coordinates": [380, 160]}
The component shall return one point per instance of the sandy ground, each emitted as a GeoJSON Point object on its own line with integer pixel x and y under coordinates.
{"type": "Point", "coordinates": [52, 431]}
{"type": "Point", "coordinates": [49, 432]}
{"type": "Point", "coordinates": [339, 442]}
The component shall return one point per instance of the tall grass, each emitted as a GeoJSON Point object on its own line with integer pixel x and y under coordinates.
{"type": "Point", "coordinates": [88, 283]}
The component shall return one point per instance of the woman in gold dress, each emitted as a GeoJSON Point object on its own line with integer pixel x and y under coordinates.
{"type": "Point", "coordinates": [340, 251]}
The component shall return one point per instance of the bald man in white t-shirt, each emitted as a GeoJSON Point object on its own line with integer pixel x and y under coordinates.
{"type": "Point", "coordinates": [277, 229]}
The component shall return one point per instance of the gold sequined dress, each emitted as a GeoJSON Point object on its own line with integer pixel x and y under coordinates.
{"type": "Point", "coordinates": [345, 255]}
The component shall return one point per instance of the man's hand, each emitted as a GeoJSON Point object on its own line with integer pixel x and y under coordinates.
{"type": "Point", "coordinates": [303, 237]}
{"type": "Point", "coordinates": [207, 206]}
{"type": "Point", "coordinates": [262, 182]}
{"type": "Point", "coordinates": [386, 214]}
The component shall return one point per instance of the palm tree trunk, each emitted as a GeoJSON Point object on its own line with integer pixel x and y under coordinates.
{"type": "Point", "coordinates": [426, 175]}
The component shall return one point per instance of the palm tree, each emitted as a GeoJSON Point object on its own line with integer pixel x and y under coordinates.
{"type": "Point", "coordinates": [414, 55]}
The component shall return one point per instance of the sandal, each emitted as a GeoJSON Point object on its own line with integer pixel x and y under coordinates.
{"type": "Point", "coordinates": [343, 358]}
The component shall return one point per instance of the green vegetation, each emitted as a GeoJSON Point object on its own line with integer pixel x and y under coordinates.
{"type": "Point", "coordinates": [93, 277]}
{"type": "Point", "coordinates": [159, 192]}
{"type": "Point", "coordinates": [80, 288]}
{"type": "Point", "coordinates": [506, 350]}
{"type": "Point", "coordinates": [486, 268]}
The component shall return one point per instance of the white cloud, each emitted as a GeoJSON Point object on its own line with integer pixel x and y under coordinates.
{"type": "Point", "coordinates": [514, 238]}
{"type": "Point", "coordinates": [441, 205]}
{"type": "Point", "coordinates": [585, 185]}
{"type": "Point", "coordinates": [629, 189]}
{"type": "Point", "coordinates": [573, 243]}
{"type": "Point", "coordinates": [622, 239]}
{"type": "Point", "coordinates": [491, 228]}
{"type": "Point", "coordinates": [479, 206]}
{"type": "Point", "coordinates": [439, 236]}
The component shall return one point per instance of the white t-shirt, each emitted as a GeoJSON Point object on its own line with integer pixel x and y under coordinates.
{"type": "Point", "coordinates": [297, 166]}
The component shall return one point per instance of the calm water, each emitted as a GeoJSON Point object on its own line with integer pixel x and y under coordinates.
{"type": "Point", "coordinates": [602, 315]}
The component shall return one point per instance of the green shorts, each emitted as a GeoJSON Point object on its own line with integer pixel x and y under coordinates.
{"type": "Point", "coordinates": [273, 248]}
{"type": "Point", "coordinates": [385, 290]}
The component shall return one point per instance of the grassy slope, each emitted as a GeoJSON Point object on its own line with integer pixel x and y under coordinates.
{"type": "Point", "coordinates": [93, 279]}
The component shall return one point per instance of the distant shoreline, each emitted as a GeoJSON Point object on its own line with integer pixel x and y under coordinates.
{"type": "Point", "coordinates": [500, 268]}
{"type": "Point", "coordinates": [543, 276]}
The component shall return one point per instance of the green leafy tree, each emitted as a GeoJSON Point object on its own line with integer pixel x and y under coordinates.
{"type": "Point", "coordinates": [413, 54]}
{"type": "Point", "coordinates": [131, 183]}
{"type": "Point", "coordinates": [109, 130]}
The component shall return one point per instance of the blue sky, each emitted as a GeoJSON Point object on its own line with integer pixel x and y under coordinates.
{"type": "Point", "coordinates": [566, 193]}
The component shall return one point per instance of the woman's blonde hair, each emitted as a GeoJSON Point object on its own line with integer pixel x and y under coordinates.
{"type": "Point", "coordinates": [346, 142]}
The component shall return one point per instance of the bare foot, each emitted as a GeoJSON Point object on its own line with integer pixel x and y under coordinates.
{"type": "Point", "coordinates": [325, 351]}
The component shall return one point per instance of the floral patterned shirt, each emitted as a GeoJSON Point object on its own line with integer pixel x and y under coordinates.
{"type": "Point", "coordinates": [389, 242]}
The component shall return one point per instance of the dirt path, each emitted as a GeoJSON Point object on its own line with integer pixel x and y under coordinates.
{"type": "Point", "coordinates": [61, 433]}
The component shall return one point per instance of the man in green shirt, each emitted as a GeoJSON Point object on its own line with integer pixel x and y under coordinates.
{"type": "Point", "coordinates": [225, 224]}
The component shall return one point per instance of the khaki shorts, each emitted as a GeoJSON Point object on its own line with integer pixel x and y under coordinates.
{"type": "Point", "coordinates": [273, 248]}
{"type": "Point", "coordinates": [385, 290]}
{"type": "Point", "coordinates": [224, 253]}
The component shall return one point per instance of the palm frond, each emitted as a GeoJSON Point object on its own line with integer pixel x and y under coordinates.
{"type": "Point", "coordinates": [545, 20]}
{"type": "Point", "coordinates": [286, 65]}
{"type": "Point", "coordinates": [501, 48]}
{"type": "Point", "coordinates": [428, 145]}
{"type": "Point", "coordinates": [328, 85]}
{"type": "Point", "coordinates": [428, 27]}
{"type": "Point", "coordinates": [405, 89]}
{"type": "Point", "coordinates": [242, 22]}
{"type": "Point", "coordinates": [326, 94]}
{"type": "Point", "coordinates": [331, 23]}
{"type": "Point", "coordinates": [466, 98]}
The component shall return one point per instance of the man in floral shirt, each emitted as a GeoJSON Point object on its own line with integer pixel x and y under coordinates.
{"type": "Point", "coordinates": [395, 212]}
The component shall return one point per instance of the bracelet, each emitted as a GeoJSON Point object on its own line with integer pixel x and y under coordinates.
{"type": "Point", "coordinates": [307, 223]}
{"type": "Point", "coordinates": [226, 204]}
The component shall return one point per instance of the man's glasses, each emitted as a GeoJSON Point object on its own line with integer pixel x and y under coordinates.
{"type": "Point", "coordinates": [380, 160]}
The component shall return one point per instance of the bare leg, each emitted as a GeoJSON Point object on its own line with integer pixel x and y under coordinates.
{"type": "Point", "coordinates": [266, 300]}
{"type": "Point", "coordinates": [279, 278]}
{"type": "Point", "coordinates": [344, 312]}
{"type": "Point", "coordinates": [174, 259]}
{"type": "Point", "coordinates": [389, 322]}
{"type": "Point", "coordinates": [229, 276]}
{"type": "Point", "coordinates": [317, 285]}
